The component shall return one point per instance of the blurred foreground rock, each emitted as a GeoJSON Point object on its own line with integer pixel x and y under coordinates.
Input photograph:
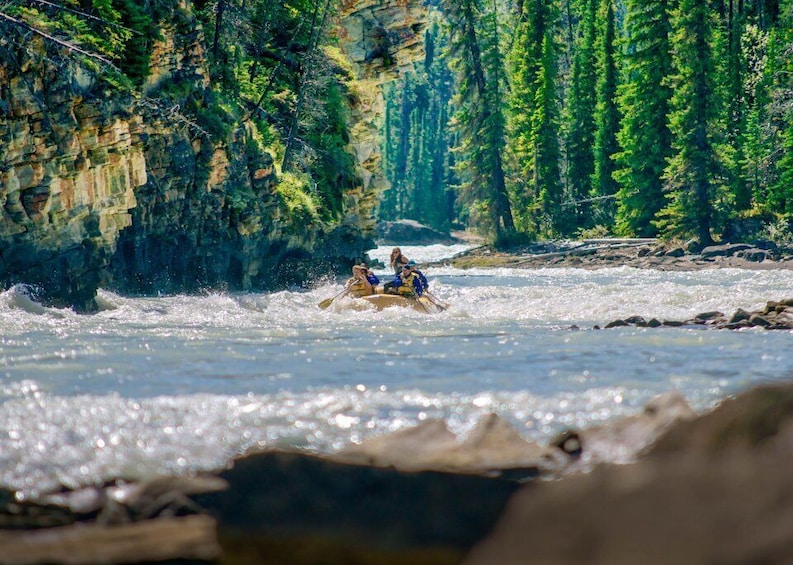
{"type": "Point", "coordinates": [714, 490]}
{"type": "Point", "coordinates": [707, 489]}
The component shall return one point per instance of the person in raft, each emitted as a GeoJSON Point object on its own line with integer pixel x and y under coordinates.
{"type": "Point", "coordinates": [407, 283]}
{"type": "Point", "coordinates": [359, 284]}
{"type": "Point", "coordinates": [422, 279]}
{"type": "Point", "coordinates": [370, 276]}
{"type": "Point", "coordinates": [397, 260]}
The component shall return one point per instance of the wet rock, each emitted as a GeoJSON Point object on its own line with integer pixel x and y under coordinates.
{"type": "Point", "coordinates": [774, 316]}
{"type": "Point", "coordinates": [492, 447]}
{"type": "Point", "coordinates": [293, 508]}
{"type": "Point", "coordinates": [739, 315]}
{"type": "Point", "coordinates": [725, 250]}
{"type": "Point", "coordinates": [758, 320]}
{"type": "Point", "coordinates": [754, 255]}
{"type": "Point", "coordinates": [712, 490]}
{"type": "Point", "coordinates": [708, 316]}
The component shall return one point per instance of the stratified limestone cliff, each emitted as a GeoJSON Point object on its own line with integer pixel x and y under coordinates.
{"type": "Point", "coordinates": [381, 38]}
{"type": "Point", "coordinates": [126, 192]}
{"type": "Point", "coordinates": [69, 165]}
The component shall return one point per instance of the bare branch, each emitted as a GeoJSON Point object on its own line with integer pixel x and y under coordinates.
{"type": "Point", "coordinates": [61, 42]}
{"type": "Point", "coordinates": [89, 16]}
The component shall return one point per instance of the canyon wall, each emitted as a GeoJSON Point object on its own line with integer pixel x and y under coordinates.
{"type": "Point", "coordinates": [127, 193]}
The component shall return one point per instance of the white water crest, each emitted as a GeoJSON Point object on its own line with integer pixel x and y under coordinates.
{"type": "Point", "coordinates": [185, 383]}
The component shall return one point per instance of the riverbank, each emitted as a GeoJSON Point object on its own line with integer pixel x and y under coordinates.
{"type": "Point", "coordinates": [637, 253]}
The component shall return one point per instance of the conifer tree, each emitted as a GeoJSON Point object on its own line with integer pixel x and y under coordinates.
{"type": "Point", "coordinates": [534, 121]}
{"type": "Point", "coordinates": [546, 181]}
{"type": "Point", "coordinates": [604, 186]}
{"type": "Point", "coordinates": [780, 197]}
{"type": "Point", "coordinates": [644, 136]}
{"type": "Point", "coordinates": [693, 174]}
{"type": "Point", "coordinates": [475, 52]}
{"type": "Point", "coordinates": [580, 115]}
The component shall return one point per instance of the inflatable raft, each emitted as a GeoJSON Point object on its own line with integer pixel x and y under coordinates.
{"type": "Point", "coordinates": [382, 301]}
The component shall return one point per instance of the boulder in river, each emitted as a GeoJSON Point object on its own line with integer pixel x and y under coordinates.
{"type": "Point", "coordinates": [410, 232]}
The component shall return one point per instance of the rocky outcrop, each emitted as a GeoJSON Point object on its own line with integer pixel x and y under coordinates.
{"type": "Point", "coordinates": [712, 490]}
{"type": "Point", "coordinates": [638, 253]}
{"type": "Point", "coordinates": [777, 315]}
{"type": "Point", "coordinates": [410, 232]}
{"type": "Point", "coordinates": [70, 163]}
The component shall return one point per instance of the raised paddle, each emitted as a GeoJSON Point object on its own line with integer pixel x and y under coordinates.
{"type": "Point", "coordinates": [328, 301]}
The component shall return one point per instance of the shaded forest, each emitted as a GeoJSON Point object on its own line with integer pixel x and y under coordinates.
{"type": "Point", "coordinates": [534, 119]}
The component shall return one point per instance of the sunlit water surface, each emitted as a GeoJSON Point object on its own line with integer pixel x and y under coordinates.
{"type": "Point", "coordinates": [185, 383]}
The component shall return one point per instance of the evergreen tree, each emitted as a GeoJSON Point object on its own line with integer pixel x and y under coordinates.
{"type": "Point", "coordinates": [644, 136]}
{"type": "Point", "coordinates": [546, 181]}
{"type": "Point", "coordinates": [754, 139]}
{"type": "Point", "coordinates": [534, 121]}
{"type": "Point", "coordinates": [607, 118]}
{"type": "Point", "coordinates": [692, 176]}
{"type": "Point", "coordinates": [580, 115]}
{"type": "Point", "coordinates": [731, 77]}
{"type": "Point", "coordinates": [475, 53]}
{"type": "Point", "coordinates": [780, 197]}
{"type": "Point", "coordinates": [416, 141]}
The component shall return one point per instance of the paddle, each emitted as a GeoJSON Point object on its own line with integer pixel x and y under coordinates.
{"type": "Point", "coordinates": [416, 298]}
{"type": "Point", "coordinates": [436, 302]}
{"type": "Point", "coordinates": [328, 301]}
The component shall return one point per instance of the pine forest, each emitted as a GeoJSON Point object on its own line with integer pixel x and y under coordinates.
{"type": "Point", "coordinates": [536, 119]}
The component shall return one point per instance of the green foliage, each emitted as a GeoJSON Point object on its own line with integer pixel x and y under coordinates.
{"type": "Point", "coordinates": [644, 137]}
{"type": "Point", "coordinates": [136, 53]}
{"type": "Point", "coordinates": [479, 120]}
{"type": "Point", "coordinates": [607, 116]}
{"type": "Point", "coordinates": [534, 122]}
{"type": "Point", "coordinates": [417, 140]}
{"type": "Point", "coordinates": [580, 113]}
{"type": "Point", "coordinates": [294, 194]}
{"type": "Point", "coordinates": [692, 176]}
{"type": "Point", "coordinates": [596, 232]}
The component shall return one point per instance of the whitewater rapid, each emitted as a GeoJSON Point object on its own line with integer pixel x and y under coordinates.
{"type": "Point", "coordinates": [179, 384]}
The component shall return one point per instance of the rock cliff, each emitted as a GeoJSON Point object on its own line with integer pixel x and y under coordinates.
{"type": "Point", "coordinates": [104, 188]}
{"type": "Point", "coordinates": [381, 39]}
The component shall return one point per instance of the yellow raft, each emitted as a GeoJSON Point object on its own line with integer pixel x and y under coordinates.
{"type": "Point", "coordinates": [421, 304]}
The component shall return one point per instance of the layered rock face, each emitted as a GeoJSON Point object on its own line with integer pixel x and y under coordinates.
{"type": "Point", "coordinates": [69, 166]}
{"type": "Point", "coordinates": [131, 195]}
{"type": "Point", "coordinates": [381, 38]}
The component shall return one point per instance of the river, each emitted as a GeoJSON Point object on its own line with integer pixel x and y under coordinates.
{"type": "Point", "coordinates": [178, 384]}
